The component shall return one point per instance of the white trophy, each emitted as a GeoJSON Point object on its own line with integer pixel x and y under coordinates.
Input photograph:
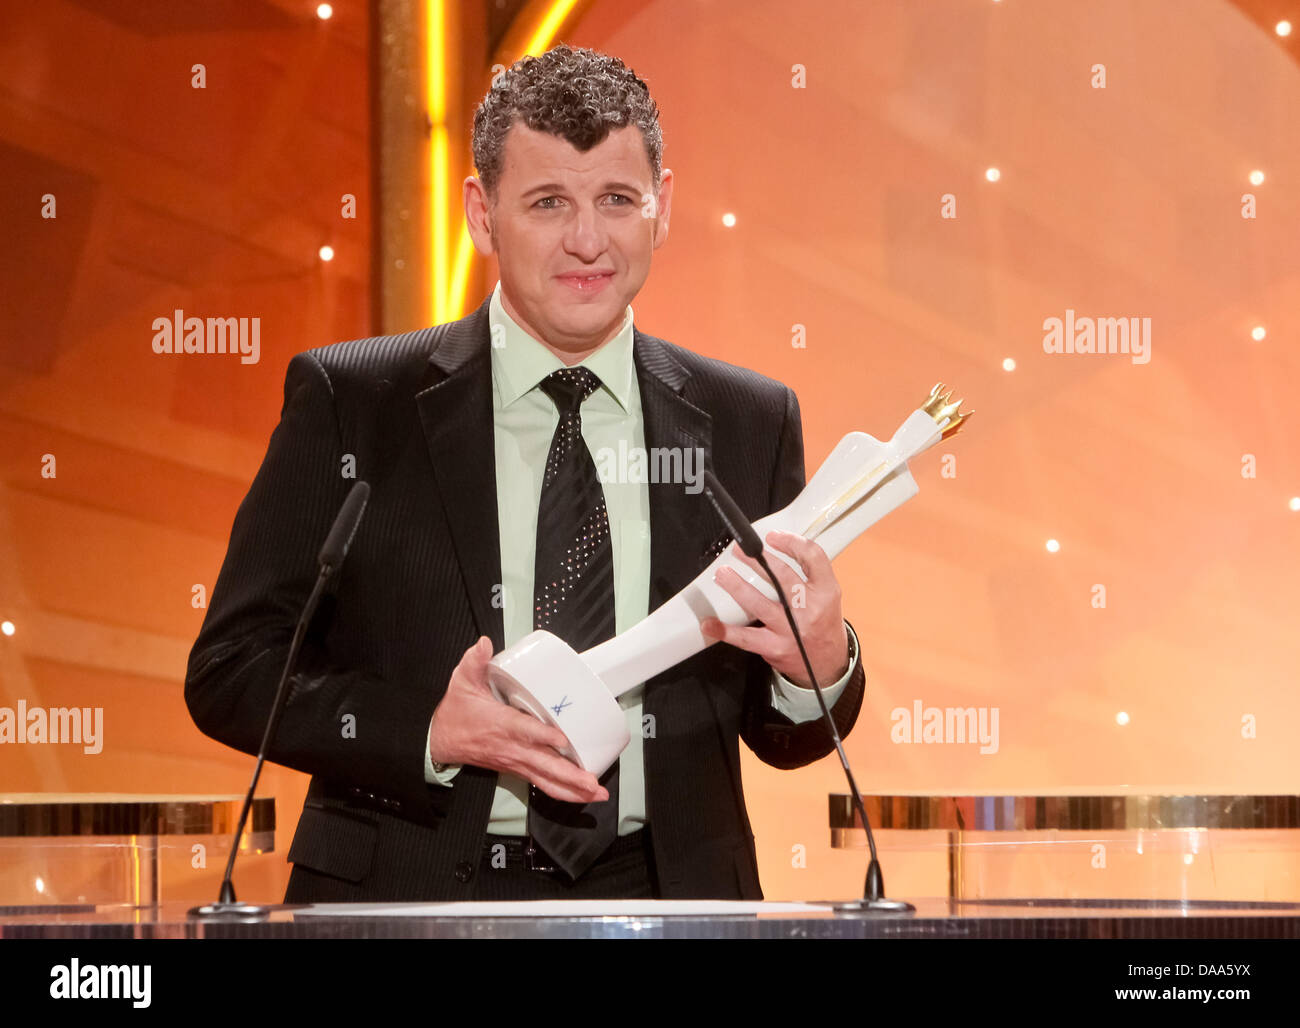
{"type": "Point", "coordinates": [860, 482]}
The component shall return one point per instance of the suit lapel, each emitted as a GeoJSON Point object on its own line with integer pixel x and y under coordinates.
{"type": "Point", "coordinates": [671, 421]}
{"type": "Point", "coordinates": [676, 524]}
{"type": "Point", "coordinates": [456, 414]}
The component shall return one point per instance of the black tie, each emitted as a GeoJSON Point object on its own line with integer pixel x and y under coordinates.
{"type": "Point", "coordinates": [573, 590]}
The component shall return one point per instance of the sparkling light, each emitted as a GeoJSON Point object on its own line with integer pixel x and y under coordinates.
{"type": "Point", "coordinates": [327, 253]}
{"type": "Point", "coordinates": [1121, 718]}
{"type": "Point", "coordinates": [1256, 177]}
{"type": "Point", "coordinates": [1053, 546]}
{"type": "Point", "coordinates": [324, 12]}
{"type": "Point", "coordinates": [1282, 28]}
{"type": "Point", "coordinates": [729, 220]}
{"type": "Point", "coordinates": [7, 627]}
{"type": "Point", "coordinates": [1009, 364]}
{"type": "Point", "coordinates": [993, 174]}
{"type": "Point", "coordinates": [1294, 504]}
{"type": "Point", "coordinates": [1257, 333]}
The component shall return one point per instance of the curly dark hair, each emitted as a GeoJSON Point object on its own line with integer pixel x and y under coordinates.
{"type": "Point", "coordinates": [577, 94]}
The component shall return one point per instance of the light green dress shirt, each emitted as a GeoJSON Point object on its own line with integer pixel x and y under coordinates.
{"type": "Point", "coordinates": [524, 420]}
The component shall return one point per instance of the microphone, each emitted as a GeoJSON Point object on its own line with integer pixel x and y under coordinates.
{"type": "Point", "coordinates": [345, 527]}
{"type": "Point", "coordinates": [873, 892]}
{"type": "Point", "coordinates": [733, 517]}
{"type": "Point", "coordinates": [330, 558]}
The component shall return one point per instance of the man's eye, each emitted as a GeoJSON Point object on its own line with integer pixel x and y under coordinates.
{"type": "Point", "coordinates": [546, 202]}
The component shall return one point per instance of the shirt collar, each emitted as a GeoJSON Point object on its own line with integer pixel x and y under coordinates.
{"type": "Point", "coordinates": [520, 362]}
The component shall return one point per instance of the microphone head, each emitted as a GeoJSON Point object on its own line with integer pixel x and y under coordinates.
{"type": "Point", "coordinates": [732, 516]}
{"type": "Point", "coordinates": [345, 526]}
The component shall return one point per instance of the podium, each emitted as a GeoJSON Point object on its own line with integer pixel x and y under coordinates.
{"type": "Point", "coordinates": [106, 849]}
{"type": "Point", "coordinates": [935, 918]}
{"type": "Point", "coordinates": [1079, 845]}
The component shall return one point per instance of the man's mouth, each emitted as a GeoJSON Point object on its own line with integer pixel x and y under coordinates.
{"type": "Point", "coordinates": [587, 283]}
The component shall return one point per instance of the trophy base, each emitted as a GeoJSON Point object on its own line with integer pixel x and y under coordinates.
{"type": "Point", "coordinates": [562, 691]}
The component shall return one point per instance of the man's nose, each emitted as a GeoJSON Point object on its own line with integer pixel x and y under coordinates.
{"type": "Point", "coordinates": [586, 237]}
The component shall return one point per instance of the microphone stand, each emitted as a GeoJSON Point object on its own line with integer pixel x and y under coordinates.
{"type": "Point", "coordinates": [227, 908]}
{"type": "Point", "coordinates": [873, 894]}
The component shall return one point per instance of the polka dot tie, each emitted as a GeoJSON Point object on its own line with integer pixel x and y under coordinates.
{"type": "Point", "coordinates": [573, 591]}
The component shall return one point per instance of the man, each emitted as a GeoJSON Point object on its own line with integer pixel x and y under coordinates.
{"type": "Point", "coordinates": [487, 520]}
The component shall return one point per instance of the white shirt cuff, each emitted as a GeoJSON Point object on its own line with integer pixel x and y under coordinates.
{"type": "Point", "coordinates": [430, 775]}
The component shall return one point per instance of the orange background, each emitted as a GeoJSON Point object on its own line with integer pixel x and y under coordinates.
{"type": "Point", "coordinates": [1115, 202]}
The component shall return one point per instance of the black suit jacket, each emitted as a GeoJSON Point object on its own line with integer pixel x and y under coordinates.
{"type": "Point", "coordinates": [413, 414]}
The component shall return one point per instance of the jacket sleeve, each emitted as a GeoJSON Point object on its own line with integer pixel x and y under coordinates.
{"type": "Point", "coordinates": [773, 737]}
{"type": "Point", "coordinates": [342, 722]}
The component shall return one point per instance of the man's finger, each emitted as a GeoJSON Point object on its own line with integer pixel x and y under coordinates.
{"type": "Point", "coordinates": [787, 577]}
{"type": "Point", "coordinates": [750, 600]}
{"type": "Point", "coordinates": [473, 664]}
{"type": "Point", "coordinates": [537, 734]}
{"type": "Point", "coordinates": [811, 557]}
{"type": "Point", "coordinates": [561, 778]}
{"type": "Point", "coordinates": [753, 640]}
{"type": "Point", "coordinates": [479, 653]}
{"type": "Point", "coordinates": [559, 791]}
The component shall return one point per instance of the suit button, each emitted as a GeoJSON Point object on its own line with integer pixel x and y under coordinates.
{"type": "Point", "coordinates": [464, 871]}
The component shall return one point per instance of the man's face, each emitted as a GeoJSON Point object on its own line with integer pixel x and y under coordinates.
{"type": "Point", "coordinates": [561, 216]}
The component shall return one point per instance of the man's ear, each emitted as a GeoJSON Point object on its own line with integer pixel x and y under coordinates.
{"type": "Point", "coordinates": [478, 217]}
{"type": "Point", "coordinates": [664, 207]}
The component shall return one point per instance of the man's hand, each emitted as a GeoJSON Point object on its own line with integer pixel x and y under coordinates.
{"type": "Point", "coordinates": [820, 618]}
{"type": "Point", "coordinates": [471, 726]}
